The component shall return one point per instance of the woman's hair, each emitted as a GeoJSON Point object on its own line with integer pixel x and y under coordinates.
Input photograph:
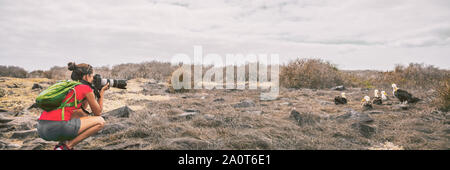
{"type": "Point", "coordinates": [79, 70]}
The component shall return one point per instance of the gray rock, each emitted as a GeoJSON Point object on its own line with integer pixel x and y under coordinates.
{"type": "Point", "coordinates": [364, 129]}
{"type": "Point", "coordinates": [152, 81]}
{"type": "Point", "coordinates": [268, 97]}
{"type": "Point", "coordinates": [36, 144]}
{"type": "Point", "coordinates": [5, 120]}
{"type": "Point", "coordinates": [209, 117]}
{"type": "Point", "coordinates": [244, 103]}
{"type": "Point", "coordinates": [338, 88]}
{"type": "Point", "coordinates": [175, 111]}
{"type": "Point", "coordinates": [360, 117]}
{"type": "Point", "coordinates": [187, 115]}
{"type": "Point", "coordinates": [3, 145]}
{"type": "Point", "coordinates": [285, 104]}
{"type": "Point", "coordinates": [400, 107]}
{"type": "Point", "coordinates": [257, 112]}
{"type": "Point", "coordinates": [219, 100]}
{"type": "Point", "coordinates": [188, 143]}
{"type": "Point", "coordinates": [344, 116]}
{"type": "Point", "coordinates": [21, 123]}
{"type": "Point", "coordinates": [123, 112]}
{"type": "Point", "coordinates": [304, 118]}
{"type": "Point", "coordinates": [447, 131]}
{"type": "Point", "coordinates": [121, 146]}
{"type": "Point", "coordinates": [2, 92]}
{"type": "Point", "coordinates": [4, 125]}
{"type": "Point", "coordinates": [12, 146]}
{"type": "Point", "coordinates": [36, 86]}
{"type": "Point", "coordinates": [192, 110]}
{"type": "Point", "coordinates": [389, 103]}
{"type": "Point", "coordinates": [24, 134]}
{"type": "Point", "coordinates": [14, 85]}
{"type": "Point", "coordinates": [437, 112]}
{"type": "Point", "coordinates": [367, 130]}
{"type": "Point", "coordinates": [112, 128]}
{"type": "Point", "coordinates": [7, 113]}
{"type": "Point", "coordinates": [324, 103]}
{"type": "Point", "coordinates": [364, 118]}
{"type": "Point", "coordinates": [33, 106]}
{"type": "Point", "coordinates": [375, 112]}
{"type": "Point", "coordinates": [424, 130]}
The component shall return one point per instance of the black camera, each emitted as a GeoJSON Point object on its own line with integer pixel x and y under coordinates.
{"type": "Point", "coordinates": [98, 82]}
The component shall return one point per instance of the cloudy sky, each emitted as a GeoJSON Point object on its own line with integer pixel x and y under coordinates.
{"type": "Point", "coordinates": [354, 34]}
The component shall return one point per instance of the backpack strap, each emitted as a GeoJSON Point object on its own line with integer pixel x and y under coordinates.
{"type": "Point", "coordinates": [71, 104]}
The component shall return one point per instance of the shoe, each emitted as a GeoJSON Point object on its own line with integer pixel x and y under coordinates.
{"type": "Point", "coordinates": [62, 147]}
{"type": "Point", "coordinates": [58, 147]}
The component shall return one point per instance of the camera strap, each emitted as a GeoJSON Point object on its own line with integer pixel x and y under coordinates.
{"type": "Point", "coordinates": [97, 94]}
{"type": "Point", "coordinates": [84, 110]}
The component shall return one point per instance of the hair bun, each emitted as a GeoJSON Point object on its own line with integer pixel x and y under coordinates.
{"type": "Point", "coordinates": [71, 66]}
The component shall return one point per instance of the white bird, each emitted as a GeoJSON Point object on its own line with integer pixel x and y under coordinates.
{"type": "Point", "coordinates": [384, 96]}
{"type": "Point", "coordinates": [366, 103]}
{"type": "Point", "coordinates": [377, 99]}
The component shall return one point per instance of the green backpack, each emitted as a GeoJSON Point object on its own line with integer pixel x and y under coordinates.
{"type": "Point", "coordinates": [52, 98]}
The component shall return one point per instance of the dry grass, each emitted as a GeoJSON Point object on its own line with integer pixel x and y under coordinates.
{"type": "Point", "coordinates": [443, 99]}
{"type": "Point", "coordinates": [414, 76]}
{"type": "Point", "coordinates": [20, 98]}
{"type": "Point", "coordinates": [150, 70]}
{"type": "Point", "coordinates": [310, 73]}
{"type": "Point", "coordinates": [158, 122]}
{"type": "Point", "coordinates": [12, 71]}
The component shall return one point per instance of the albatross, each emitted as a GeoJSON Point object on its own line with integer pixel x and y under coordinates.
{"type": "Point", "coordinates": [366, 103]}
{"type": "Point", "coordinates": [377, 99]}
{"type": "Point", "coordinates": [384, 96]}
{"type": "Point", "coordinates": [403, 95]}
{"type": "Point", "coordinates": [340, 99]}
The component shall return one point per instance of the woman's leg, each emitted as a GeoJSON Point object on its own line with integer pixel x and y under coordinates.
{"type": "Point", "coordinates": [89, 126]}
{"type": "Point", "coordinates": [78, 113]}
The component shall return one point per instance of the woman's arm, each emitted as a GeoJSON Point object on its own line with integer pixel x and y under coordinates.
{"type": "Point", "coordinates": [96, 106]}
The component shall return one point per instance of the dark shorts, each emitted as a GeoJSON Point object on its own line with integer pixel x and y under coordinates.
{"type": "Point", "coordinates": [58, 130]}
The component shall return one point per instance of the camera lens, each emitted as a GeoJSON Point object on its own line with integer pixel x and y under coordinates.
{"type": "Point", "coordinates": [121, 84]}
{"type": "Point", "coordinates": [99, 82]}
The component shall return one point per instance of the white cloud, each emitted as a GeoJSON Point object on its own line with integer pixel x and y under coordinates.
{"type": "Point", "coordinates": [350, 33]}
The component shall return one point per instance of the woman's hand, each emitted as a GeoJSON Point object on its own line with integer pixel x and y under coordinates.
{"type": "Point", "coordinates": [104, 88]}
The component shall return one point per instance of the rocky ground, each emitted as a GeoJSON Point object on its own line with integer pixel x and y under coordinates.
{"type": "Point", "coordinates": [145, 116]}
